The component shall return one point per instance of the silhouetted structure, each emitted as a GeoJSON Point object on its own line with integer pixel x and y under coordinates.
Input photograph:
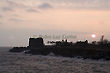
{"type": "Point", "coordinates": [102, 38]}
{"type": "Point", "coordinates": [36, 42]}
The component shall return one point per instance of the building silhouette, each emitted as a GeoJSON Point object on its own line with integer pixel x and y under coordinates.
{"type": "Point", "coordinates": [36, 42]}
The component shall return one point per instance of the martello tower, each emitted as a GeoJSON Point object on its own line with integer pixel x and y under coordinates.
{"type": "Point", "coordinates": [36, 42]}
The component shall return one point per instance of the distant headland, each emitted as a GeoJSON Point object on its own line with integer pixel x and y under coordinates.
{"type": "Point", "coordinates": [84, 49]}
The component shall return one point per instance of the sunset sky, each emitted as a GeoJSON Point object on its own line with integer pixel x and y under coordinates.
{"type": "Point", "coordinates": [21, 19]}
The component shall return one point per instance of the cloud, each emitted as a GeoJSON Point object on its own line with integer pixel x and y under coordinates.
{"type": "Point", "coordinates": [6, 9]}
{"type": "Point", "coordinates": [15, 4]}
{"type": "Point", "coordinates": [45, 6]}
{"type": "Point", "coordinates": [16, 20]}
{"type": "Point", "coordinates": [81, 4]}
{"type": "Point", "coordinates": [32, 5]}
{"type": "Point", "coordinates": [1, 16]}
{"type": "Point", "coordinates": [20, 4]}
{"type": "Point", "coordinates": [32, 10]}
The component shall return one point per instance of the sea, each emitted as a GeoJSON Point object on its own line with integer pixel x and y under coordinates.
{"type": "Point", "coordinates": [27, 63]}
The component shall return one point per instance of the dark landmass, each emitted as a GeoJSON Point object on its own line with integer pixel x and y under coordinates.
{"type": "Point", "coordinates": [94, 50]}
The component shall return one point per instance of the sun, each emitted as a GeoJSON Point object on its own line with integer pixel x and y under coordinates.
{"type": "Point", "coordinates": [93, 36]}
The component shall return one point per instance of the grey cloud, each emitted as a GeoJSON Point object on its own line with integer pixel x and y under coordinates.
{"type": "Point", "coordinates": [16, 20]}
{"type": "Point", "coordinates": [1, 16]}
{"type": "Point", "coordinates": [45, 6]}
{"type": "Point", "coordinates": [15, 4]}
{"type": "Point", "coordinates": [6, 9]}
{"type": "Point", "coordinates": [32, 10]}
{"type": "Point", "coordinates": [81, 4]}
{"type": "Point", "coordinates": [0, 22]}
{"type": "Point", "coordinates": [78, 1]}
{"type": "Point", "coordinates": [20, 4]}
